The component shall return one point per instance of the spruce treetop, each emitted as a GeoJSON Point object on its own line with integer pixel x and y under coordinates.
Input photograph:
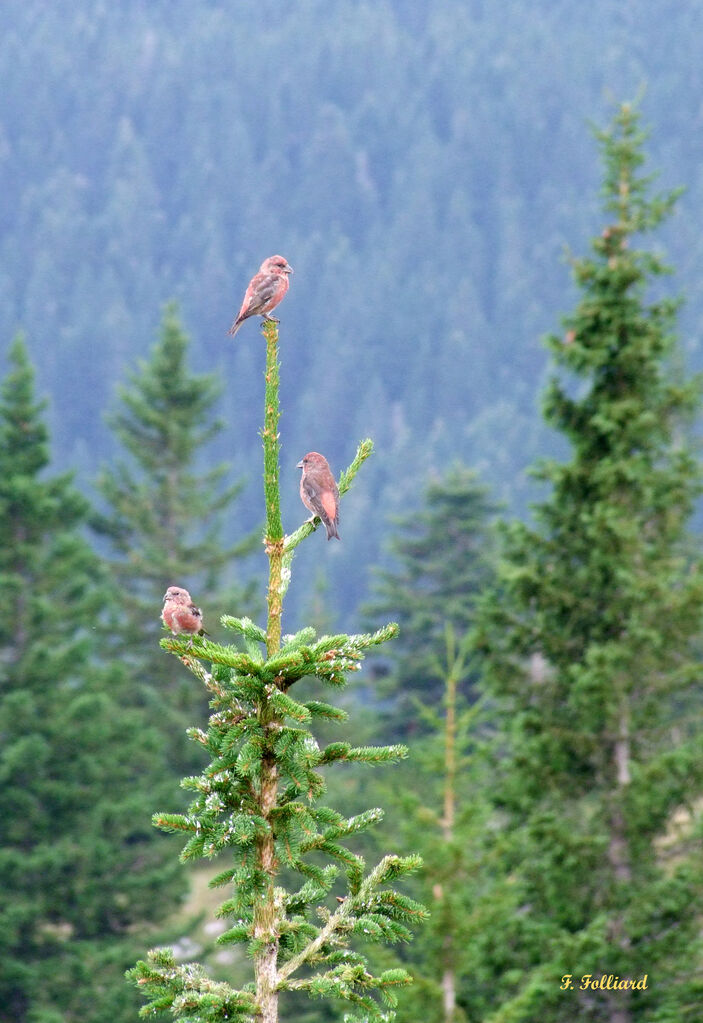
{"type": "Point", "coordinates": [164, 418]}
{"type": "Point", "coordinates": [260, 800]}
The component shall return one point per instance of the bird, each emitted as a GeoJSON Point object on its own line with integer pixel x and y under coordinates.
{"type": "Point", "coordinates": [319, 492]}
{"type": "Point", "coordinates": [180, 613]}
{"type": "Point", "coordinates": [266, 289]}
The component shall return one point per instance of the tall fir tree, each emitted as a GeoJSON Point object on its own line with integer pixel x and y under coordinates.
{"type": "Point", "coordinates": [163, 516]}
{"type": "Point", "coordinates": [259, 801]}
{"type": "Point", "coordinates": [590, 649]}
{"type": "Point", "coordinates": [79, 870]}
{"type": "Point", "coordinates": [442, 560]}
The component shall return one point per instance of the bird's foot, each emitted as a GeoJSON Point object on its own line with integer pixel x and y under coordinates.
{"type": "Point", "coordinates": [271, 319]}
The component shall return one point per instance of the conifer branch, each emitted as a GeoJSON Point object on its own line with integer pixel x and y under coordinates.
{"type": "Point", "coordinates": [354, 907]}
{"type": "Point", "coordinates": [329, 658]}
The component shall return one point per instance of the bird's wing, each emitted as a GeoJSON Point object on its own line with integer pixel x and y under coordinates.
{"type": "Point", "coordinates": [262, 291]}
{"type": "Point", "coordinates": [322, 502]}
{"type": "Point", "coordinates": [312, 493]}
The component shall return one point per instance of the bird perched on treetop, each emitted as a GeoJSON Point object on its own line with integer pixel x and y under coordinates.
{"type": "Point", "coordinates": [265, 291]}
{"type": "Point", "coordinates": [180, 613]}
{"type": "Point", "coordinates": [319, 492]}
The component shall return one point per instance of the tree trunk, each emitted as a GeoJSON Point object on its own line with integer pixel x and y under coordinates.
{"type": "Point", "coordinates": [618, 853]}
{"type": "Point", "coordinates": [448, 977]}
{"type": "Point", "coordinates": [265, 915]}
{"type": "Point", "coordinates": [266, 911]}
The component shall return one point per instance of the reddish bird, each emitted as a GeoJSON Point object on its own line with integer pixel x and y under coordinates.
{"type": "Point", "coordinates": [318, 491]}
{"type": "Point", "coordinates": [265, 291]}
{"type": "Point", "coordinates": [180, 613]}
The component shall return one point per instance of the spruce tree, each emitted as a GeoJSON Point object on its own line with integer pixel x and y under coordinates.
{"type": "Point", "coordinates": [590, 649]}
{"type": "Point", "coordinates": [442, 560]}
{"type": "Point", "coordinates": [79, 869]}
{"type": "Point", "coordinates": [164, 516]}
{"type": "Point", "coordinates": [259, 798]}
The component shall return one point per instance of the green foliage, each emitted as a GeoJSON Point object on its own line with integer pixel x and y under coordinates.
{"type": "Point", "coordinates": [260, 800]}
{"type": "Point", "coordinates": [78, 867]}
{"type": "Point", "coordinates": [590, 644]}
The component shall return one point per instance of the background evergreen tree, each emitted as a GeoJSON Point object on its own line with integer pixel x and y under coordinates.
{"type": "Point", "coordinates": [438, 803]}
{"type": "Point", "coordinates": [165, 516]}
{"type": "Point", "coordinates": [438, 798]}
{"type": "Point", "coordinates": [442, 559]}
{"type": "Point", "coordinates": [590, 647]}
{"type": "Point", "coordinates": [79, 869]}
{"type": "Point", "coordinates": [259, 799]}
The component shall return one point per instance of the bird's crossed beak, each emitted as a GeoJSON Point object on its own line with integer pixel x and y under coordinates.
{"type": "Point", "coordinates": [288, 269]}
{"type": "Point", "coordinates": [299, 465]}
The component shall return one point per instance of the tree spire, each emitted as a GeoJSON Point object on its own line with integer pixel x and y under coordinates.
{"type": "Point", "coordinates": [590, 645]}
{"type": "Point", "coordinates": [259, 799]}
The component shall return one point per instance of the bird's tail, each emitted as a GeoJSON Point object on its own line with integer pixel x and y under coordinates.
{"type": "Point", "coordinates": [236, 325]}
{"type": "Point", "coordinates": [331, 527]}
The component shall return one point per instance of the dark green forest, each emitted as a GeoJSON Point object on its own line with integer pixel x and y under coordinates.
{"type": "Point", "coordinates": [422, 170]}
{"type": "Point", "coordinates": [492, 333]}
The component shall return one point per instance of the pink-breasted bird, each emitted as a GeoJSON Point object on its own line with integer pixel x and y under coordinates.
{"type": "Point", "coordinates": [319, 492]}
{"type": "Point", "coordinates": [180, 613]}
{"type": "Point", "coordinates": [265, 291]}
